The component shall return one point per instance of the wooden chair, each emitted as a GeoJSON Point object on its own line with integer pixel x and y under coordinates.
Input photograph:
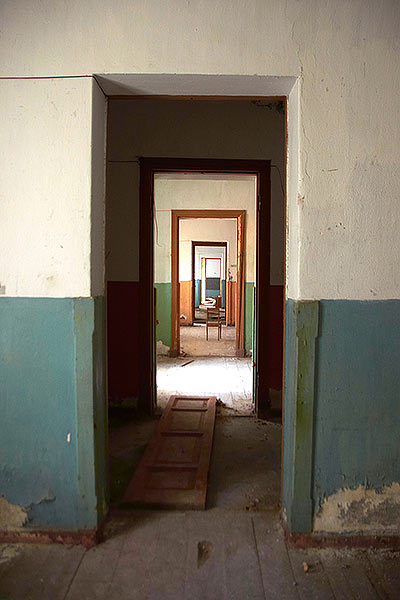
{"type": "Point", "coordinates": [213, 317]}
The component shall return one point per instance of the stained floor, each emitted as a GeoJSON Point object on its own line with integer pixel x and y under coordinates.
{"type": "Point", "coordinates": [230, 379]}
{"type": "Point", "coordinates": [194, 343]}
{"type": "Point", "coordinates": [234, 550]}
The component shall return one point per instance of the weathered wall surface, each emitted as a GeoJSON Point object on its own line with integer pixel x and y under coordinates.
{"type": "Point", "coordinates": [342, 417]}
{"type": "Point", "coordinates": [52, 403]}
{"type": "Point", "coordinates": [357, 353]}
{"type": "Point", "coordinates": [52, 467]}
{"type": "Point", "coordinates": [343, 217]}
{"type": "Point", "coordinates": [45, 186]}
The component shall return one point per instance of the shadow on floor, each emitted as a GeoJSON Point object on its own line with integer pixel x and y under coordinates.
{"type": "Point", "coordinates": [245, 462]}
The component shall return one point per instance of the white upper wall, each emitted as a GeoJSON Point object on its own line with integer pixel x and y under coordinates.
{"type": "Point", "coordinates": [196, 191]}
{"type": "Point", "coordinates": [210, 252]}
{"type": "Point", "coordinates": [345, 226]}
{"type": "Point", "coordinates": [46, 188]}
{"type": "Point", "coordinates": [206, 230]}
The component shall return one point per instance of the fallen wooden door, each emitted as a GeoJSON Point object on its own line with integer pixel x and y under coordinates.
{"type": "Point", "coordinates": [173, 471]}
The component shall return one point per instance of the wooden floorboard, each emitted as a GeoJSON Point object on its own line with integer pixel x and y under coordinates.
{"type": "Point", "coordinates": [335, 569]}
{"type": "Point", "coordinates": [41, 573]}
{"type": "Point", "coordinates": [96, 571]}
{"type": "Point", "coordinates": [276, 569]}
{"type": "Point", "coordinates": [205, 565]}
{"type": "Point", "coordinates": [387, 568]}
{"type": "Point", "coordinates": [310, 577]}
{"type": "Point", "coordinates": [357, 577]}
{"type": "Point", "coordinates": [242, 567]}
{"type": "Point", "coordinates": [168, 573]}
{"type": "Point", "coordinates": [173, 472]}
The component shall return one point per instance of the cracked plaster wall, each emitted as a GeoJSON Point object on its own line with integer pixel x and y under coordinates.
{"type": "Point", "coordinates": [345, 223]}
{"type": "Point", "coordinates": [12, 516]}
{"type": "Point", "coordinates": [346, 54]}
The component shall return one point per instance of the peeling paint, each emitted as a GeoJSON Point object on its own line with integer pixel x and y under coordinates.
{"type": "Point", "coordinates": [12, 516]}
{"type": "Point", "coordinates": [361, 509]}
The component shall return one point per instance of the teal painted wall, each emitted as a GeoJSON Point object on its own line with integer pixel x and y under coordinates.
{"type": "Point", "coordinates": [197, 292]}
{"type": "Point", "coordinates": [289, 414]}
{"type": "Point", "coordinates": [357, 413]}
{"type": "Point", "coordinates": [223, 293]}
{"type": "Point", "coordinates": [51, 385]}
{"type": "Point", "coordinates": [212, 293]}
{"type": "Point", "coordinates": [248, 315]}
{"type": "Point", "coordinates": [349, 352]}
{"type": "Point", "coordinates": [163, 314]}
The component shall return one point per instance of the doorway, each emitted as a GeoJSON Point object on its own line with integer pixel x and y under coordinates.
{"type": "Point", "coordinates": [212, 349]}
{"type": "Point", "coordinates": [149, 169]}
{"type": "Point", "coordinates": [237, 218]}
{"type": "Point", "coordinates": [202, 128]}
{"type": "Point", "coordinates": [201, 253]}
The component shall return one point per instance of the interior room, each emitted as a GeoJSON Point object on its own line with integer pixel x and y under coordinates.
{"type": "Point", "coordinates": [207, 288]}
{"type": "Point", "coordinates": [190, 364]}
{"type": "Point", "coordinates": [100, 103]}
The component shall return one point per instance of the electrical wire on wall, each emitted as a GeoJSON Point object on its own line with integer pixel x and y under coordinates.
{"type": "Point", "coordinates": [280, 178]}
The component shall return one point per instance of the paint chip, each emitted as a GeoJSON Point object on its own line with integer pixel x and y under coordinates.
{"type": "Point", "coordinates": [12, 516]}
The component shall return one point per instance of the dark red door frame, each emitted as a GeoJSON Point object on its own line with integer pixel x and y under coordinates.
{"type": "Point", "coordinates": [150, 166]}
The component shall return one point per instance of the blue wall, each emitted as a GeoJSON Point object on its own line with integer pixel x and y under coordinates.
{"type": "Point", "coordinates": [197, 292]}
{"type": "Point", "coordinates": [51, 385]}
{"type": "Point", "coordinates": [357, 412]}
{"type": "Point", "coordinates": [209, 293]}
{"type": "Point", "coordinates": [342, 401]}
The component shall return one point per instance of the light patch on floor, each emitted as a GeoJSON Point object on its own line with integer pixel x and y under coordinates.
{"type": "Point", "coordinates": [361, 510]}
{"type": "Point", "coordinates": [229, 379]}
{"type": "Point", "coordinates": [194, 343]}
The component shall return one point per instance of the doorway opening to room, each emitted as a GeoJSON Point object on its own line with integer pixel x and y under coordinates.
{"type": "Point", "coordinates": [136, 293]}
{"type": "Point", "coordinates": [209, 334]}
{"type": "Point", "coordinates": [163, 276]}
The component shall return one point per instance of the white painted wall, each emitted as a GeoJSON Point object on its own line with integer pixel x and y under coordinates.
{"type": "Point", "coordinates": [191, 191]}
{"type": "Point", "coordinates": [346, 54]}
{"type": "Point", "coordinates": [46, 187]}
{"type": "Point", "coordinates": [212, 230]}
{"type": "Point", "coordinates": [209, 252]}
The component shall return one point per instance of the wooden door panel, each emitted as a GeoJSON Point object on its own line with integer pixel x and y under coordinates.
{"type": "Point", "coordinates": [173, 471]}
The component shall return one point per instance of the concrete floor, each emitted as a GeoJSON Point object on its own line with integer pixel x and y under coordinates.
{"type": "Point", "coordinates": [233, 550]}
{"type": "Point", "coordinates": [194, 343]}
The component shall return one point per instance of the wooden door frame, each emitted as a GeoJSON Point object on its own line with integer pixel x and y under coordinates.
{"type": "Point", "coordinates": [150, 166]}
{"type": "Point", "coordinates": [176, 216]}
{"type": "Point", "coordinates": [196, 244]}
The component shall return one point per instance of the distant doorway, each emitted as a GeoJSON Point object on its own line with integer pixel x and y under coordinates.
{"type": "Point", "coordinates": [261, 171]}
{"type": "Point", "coordinates": [206, 284]}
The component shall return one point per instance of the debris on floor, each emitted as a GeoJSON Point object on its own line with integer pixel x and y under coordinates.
{"type": "Point", "coordinates": [204, 549]}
